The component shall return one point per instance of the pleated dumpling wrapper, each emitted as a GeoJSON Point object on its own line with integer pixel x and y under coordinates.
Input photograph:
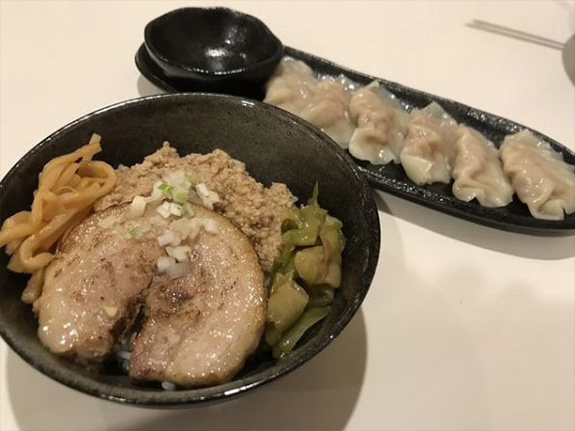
{"type": "Point", "coordinates": [428, 145]}
{"type": "Point", "coordinates": [477, 171]}
{"type": "Point", "coordinates": [328, 110]}
{"type": "Point", "coordinates": [323, 103]}
{"type": "Point", "coordinates": [291, 85]}
{"type": "Point", "coordinates": [381, 125]}
{"type": "Point", "coordinates": [539, 175]}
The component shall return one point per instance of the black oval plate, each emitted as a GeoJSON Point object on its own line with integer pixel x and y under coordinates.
{"type": "Point", "coordinates": [391, 178]}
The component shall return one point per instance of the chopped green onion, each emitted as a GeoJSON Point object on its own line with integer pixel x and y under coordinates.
{"type": "Point", "coordinates": [178, 269]}
{"type": "Point", "coordinates": [166, 238]}
{"type": "Point", "coordinates": [164, 262]}
{"type": "Point", "coordinates": [138, 206]}
{"type": "Point", "coordinates": [164, 210]}
{"type": "Point", "coordinates": [176, 209]}
{"type": "Point", "coordinates": [180, 253]}
{"type": "Point", "coordinates": [138, 232]}
{"type": "Point", "coordinates": [181, 197]}
{"type": "Point", "coordinates": [188, 209]}
{"type": "Point", "coordinates": [207, 196]}
{"type": "Point", "coordinates": [166, 189]}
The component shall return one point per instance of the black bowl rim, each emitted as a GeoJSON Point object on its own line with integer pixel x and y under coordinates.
{"type": "Point", "coordinates": [158, 56]}
{"type": "Point", "coordinates": [182, 398]}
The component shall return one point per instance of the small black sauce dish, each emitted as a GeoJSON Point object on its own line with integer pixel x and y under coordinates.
{"type": "Point", "coordinates": [213, 49]}
{"type": "Point", "coordinates": [276, 147]}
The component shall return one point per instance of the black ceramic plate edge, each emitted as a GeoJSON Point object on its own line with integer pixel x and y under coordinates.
{"type": "Point", "coordinates": [183, 398]}
{"type": "Point", "coordinates": [391, 178]}
{"type": "Point", "coordinates": [153, 73]}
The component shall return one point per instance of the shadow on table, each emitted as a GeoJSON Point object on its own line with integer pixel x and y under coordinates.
{"type": "Point", "coordinates": [146, 88]}
{"type": "Point", "coordinates": [528, 246]}
{"type": "Point", "coordinates": [322, 394]}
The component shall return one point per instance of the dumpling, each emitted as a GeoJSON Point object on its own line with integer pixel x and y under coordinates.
{"type": "Point", "coordinates": [381, 125]}
{"type": "Point", "coordinates": [291, 85]}
{"type": "Point", "coordinates": [324, 103]}
{"type": "Point", "coordinates": [539, 175]}
{"type": "Point", "coordinates": [328, 110]}
{"type": "Point", "coordinates": [347, 83]}
{"type": "Point", "coordinates": [477, 171]}
{"type": "Point", "coordinates": [428, 145]}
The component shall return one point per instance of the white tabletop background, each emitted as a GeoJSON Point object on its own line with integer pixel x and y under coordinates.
{"type": "Point", "coordinates": [464, 328]}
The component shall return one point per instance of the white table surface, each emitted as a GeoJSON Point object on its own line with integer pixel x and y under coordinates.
{"type": "Point", "coordinates": [464, 328]}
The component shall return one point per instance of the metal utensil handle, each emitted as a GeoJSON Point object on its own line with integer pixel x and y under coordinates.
{"type": "Point", "coordinates": [517, 34]}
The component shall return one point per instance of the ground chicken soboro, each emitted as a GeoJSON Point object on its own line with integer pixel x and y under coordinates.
{"type": "Point", "coordinates": [257, 211]}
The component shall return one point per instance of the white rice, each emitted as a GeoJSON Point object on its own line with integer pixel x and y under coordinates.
{"type": "Point", "coordinates": [168, 386]}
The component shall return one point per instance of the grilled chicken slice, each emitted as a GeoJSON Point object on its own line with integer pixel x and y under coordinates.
{"type": "Point", "coordinates": [94, 286]}
{"type": "Point", "coordinates": [200, 328]}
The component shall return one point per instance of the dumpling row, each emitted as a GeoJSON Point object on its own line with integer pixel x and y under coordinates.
{"type": "Point", "coordinates": [430, 145]}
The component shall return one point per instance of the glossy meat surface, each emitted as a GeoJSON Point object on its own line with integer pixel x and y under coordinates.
{"type": "Point", "coordinates": [94, 286]}
{"type": "Point", "coordinates": [201, 327]}
{"type": "Point", "coordinates": [197, 329]}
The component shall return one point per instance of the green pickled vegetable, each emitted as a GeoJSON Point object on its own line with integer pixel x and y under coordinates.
{"type": "Point", "coordinates": [310, 264]}
{"type": "Point", "coordinates": [272, 334]}
{"type": "Point", "coordinates": [304, 276]}
{"type": "Point", "coordinates": [314, 195]}
{"type": "Point", "coordinates": [333, 274]}
{"type": "Point", "coordinates": [286, 303]}
{"type": "Point", "coordinates": [322, 264]}
{"type": "Point", "coordinates": [283, 264]}
{"type": "Point", "coordinates": [306, 236]}
{"type": "Point", "coordinates": [320, 296]}
{"type": "Point", "coordinates": [308, 222]}
{"type": "Point", "coordinates": [288, 341]}
{"type": "Point", "coordinates": [331, 238]}
{"type": "Point", "coordinates": [289, 224]}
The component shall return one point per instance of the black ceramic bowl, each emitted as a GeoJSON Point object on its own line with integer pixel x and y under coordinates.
{"type": "Point", "coordinates": [208, 48]}
{"type": "Point", "coordinates": [275, 146]}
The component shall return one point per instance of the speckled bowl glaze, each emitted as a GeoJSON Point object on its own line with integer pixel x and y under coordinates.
{"type": "Point", "coordinates": [209, 48]}
{"type": "Point", "coordinates": [275, 146]}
